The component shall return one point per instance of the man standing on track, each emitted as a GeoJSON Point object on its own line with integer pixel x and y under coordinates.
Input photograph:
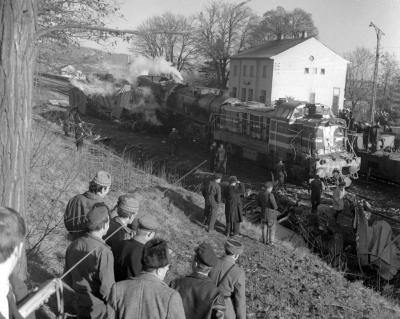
{"type": "Point", "coordinates": [212, 199]}
{"type": "Point", "coordinates": [267, 202]}
{"type": "Point", "coordinates": [221, 159]}
{"type": "Point", "coordinates": [233, 207]}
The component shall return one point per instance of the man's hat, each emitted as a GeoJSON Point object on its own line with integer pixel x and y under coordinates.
{"type": "Point", "coordinates": [147, 223]}
{"type": "Point", "coordinates": [217, 176]}
{"type": "Point", "coordinates": [205, 254]}
{"type": "Point", "coordinates": [129, 203]}
{"type": "Point", "coordinates": [96, 216]}
{"type": "Point", "coordinates": [102, 178]}
{"type": "Point", "coordinates": [155, 254]}
{"type": "Point", "coordinates": [335, 170]}
{"type": "Point", "coordinates": [233, 246]}
{"type": "Point", "coordinates": [233, 179]}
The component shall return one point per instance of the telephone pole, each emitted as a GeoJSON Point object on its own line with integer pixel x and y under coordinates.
{"type": "Point", "coordinates": [379, 34]}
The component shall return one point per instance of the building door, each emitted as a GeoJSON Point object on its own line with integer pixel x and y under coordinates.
{"type": "Point", "coordinates": [243, 97]}
{"type": "Point", "coordinates": [335, 100]}
{"type": "Point", "coordinates": [250, 96]}
{"type": "Point", "coordinates": [312, 98]}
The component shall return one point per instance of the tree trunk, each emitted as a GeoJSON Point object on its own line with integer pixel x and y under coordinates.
{"type": "Point", "coordinates": [17, 56]}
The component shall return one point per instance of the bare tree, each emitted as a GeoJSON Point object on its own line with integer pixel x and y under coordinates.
{"type": "Point", "coordinates": [359, 75]}
{"type": "Point", "coordinates": [390, 70]}
{"type": "Point", "coordinates": [221, 30]}
{"type": "Point", "coordinates": [179, 49]}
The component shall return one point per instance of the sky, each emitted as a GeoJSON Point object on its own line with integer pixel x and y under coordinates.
{"type": "Point", "coordinates": [343, 24]}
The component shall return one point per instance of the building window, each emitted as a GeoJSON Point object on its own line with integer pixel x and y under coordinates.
{"type": "Point", "coordinates": [243, 94]}
{"type": "Point", "coordinates": [263, 96]}
{"type": "Point", "coordinates": [312, 97]}
{"type": "Point", "coordinates": [264, 72]}
{"type": "Point", "coordinates": [244, 70]}
{"type": "Point", "coordinates": [250, 95]}
{"type": "Point", "coordinates": [234, 92]}
{"type": "Point", "coordinates": [323, 71]}
{"type": "Point", "coordinates": [315, 70]}
{"type": "Point", "coordinates": [306, 70]}
{"type": "Point", "coordinates": [235, 68]}
{"type": "Point", "coordinates": [335, 100]}
{"type": "Point", "coordinates": [251, 71]}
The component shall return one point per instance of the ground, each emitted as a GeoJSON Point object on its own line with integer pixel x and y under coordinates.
{"type": "Point", "coordinates": [282, 281]}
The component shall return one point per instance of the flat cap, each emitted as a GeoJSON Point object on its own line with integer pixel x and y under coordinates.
{"type": "Point", "coordinates": [233, 246]}
{"type": "Point", "coordinates": [148, 223]}
{"type": "Point", "coordinates": [205, 254]}
{"type": "Point", "coordinates": [96, 216]}
{"type": "Point", "coordinates": [217, 176]}
{"type": "Point", "coordinates": [233, 179]}
{"type": "Point", "coordinates": [129, 203]}
{"type": "Point", "coordinates": [102, 178]}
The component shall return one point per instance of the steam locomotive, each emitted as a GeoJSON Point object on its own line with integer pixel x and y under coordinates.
{"type": "Point", "coordinates": [308, 137]}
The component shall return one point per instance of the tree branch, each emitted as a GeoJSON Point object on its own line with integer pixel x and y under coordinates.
{"type": "Point", "coordinates": [46, 31]}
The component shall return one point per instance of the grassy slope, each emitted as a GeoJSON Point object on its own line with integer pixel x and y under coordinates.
{"type": "Point", "coordinates": [282, 282]}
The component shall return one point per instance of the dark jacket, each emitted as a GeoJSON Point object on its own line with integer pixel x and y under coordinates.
{"type": "Point", "coordinates": [221, 155]}
{"type": "Point", "coordinates": [316, 187]}
{"type": "Point", "coordinates": [122, 234]}
{"type": "Point", "coordinates": [12, 307]}
{"type": "Point", "coordinates": [128, 261]}
{"type": "Point", "coordinates": [77, 209]}
{"type": "Point", "coordinates": [212, 193]}
{"type": "Point", "coordinates": [268, 206]}
{"type": "Point", "coordinates": [233, 203]}
{"type": "Point", "coordinates": [93, 277]}
{"type": "Point", "coordinates": [200, 296]}
{"type": "Point", "coordinates": [232, 287]}
{"type": "Point", "coordinates": [145, 297]}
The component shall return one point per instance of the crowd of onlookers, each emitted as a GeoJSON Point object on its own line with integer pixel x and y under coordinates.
{"type": "Point", "coordinates": [116, 264]}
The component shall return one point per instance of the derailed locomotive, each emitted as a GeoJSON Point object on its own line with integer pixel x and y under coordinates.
{"type": "Point", "coordinates": [308, 137]}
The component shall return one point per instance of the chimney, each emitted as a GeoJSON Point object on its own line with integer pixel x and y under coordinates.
{"type": "Point", "coordinates": [304, 34]}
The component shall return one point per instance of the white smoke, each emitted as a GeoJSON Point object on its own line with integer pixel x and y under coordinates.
{"type": "Point", "coordinates": [141, 65]}
{"type": "Point", "coordinates": [95, 86]}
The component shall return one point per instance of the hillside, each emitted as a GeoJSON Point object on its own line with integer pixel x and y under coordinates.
{"type": "Point", "coordinates": [282, 282]}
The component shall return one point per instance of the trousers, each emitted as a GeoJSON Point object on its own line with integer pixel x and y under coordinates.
{"type": "Point", "coordinates": [210, 214]}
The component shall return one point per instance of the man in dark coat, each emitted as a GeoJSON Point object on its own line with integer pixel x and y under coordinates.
{"type": "Point", "coordinates": [212, 199]}
{"type": "Point", "coordinates": [148, 296]}
{"type": "Point", "coordinates": [200, 296]}
{"type": "Point", "coordinates": [127, 209]}
{"type": "Point", "coordinates": [173, 141]}
{"type": "Point", "coordinates": [280, 174]}
{"type": "Point", "coordinates": [128, 260]}
{"type": "Point", "coordinates": [316, 187]}
{"type": "Point", "coordinates": [212, 158]}
{"type": "Point", "coordinates": [231, 280]}
{"type": "Point", "coordinates": [269, 212]}
{"type": "Point", "coordinates": [233, 207]}
{"type": "Point", "coordinates": [221, 159]}
{"type": "Point", "coordinates": [80, 205]}
{"type": "Point", "coordinates": [12, 235]}
{"type": "Point", "coordinates": [93, 278]}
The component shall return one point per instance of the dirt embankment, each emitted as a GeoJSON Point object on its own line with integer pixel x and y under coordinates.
{"type": "Point", "coordinates": [282, 282]}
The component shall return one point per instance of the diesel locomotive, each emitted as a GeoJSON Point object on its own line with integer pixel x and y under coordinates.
{"type": "Point", "coordinates": [308, 137]}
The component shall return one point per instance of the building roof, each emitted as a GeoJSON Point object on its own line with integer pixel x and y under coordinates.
{"type": "Point", "coordinates": [269, 48]}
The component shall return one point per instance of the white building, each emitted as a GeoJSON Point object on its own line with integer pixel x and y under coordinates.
{"type": "Point", "coordinates": [303, 69]}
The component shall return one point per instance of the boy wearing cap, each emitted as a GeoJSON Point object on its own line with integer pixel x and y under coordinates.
{"type": "Point", "coordinates": [127, 209]}
{"type": "Point", "coordinates": [200, 296]}
{"type": "Point", "coordinates": [148, 296]}
{"type": "Point", "coordinates": [93, 277]}
{"type": "Point", "coordinates": [233, 207]}
{"type": "Point", "coordinates": [267, 202]}
{"type": "Point", "coordinates": [128, 262]}
{"type": "Point", "coordinates": [212, 198]}
{"type": "Point", "coordinates": [80, 205]}
{"type": "Point", "coordinates": [230, 279]}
